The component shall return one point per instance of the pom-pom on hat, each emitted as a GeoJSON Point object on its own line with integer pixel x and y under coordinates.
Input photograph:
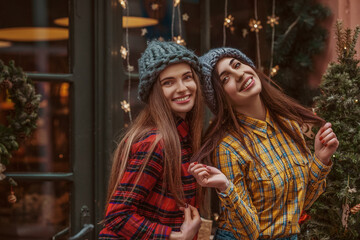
{"type": "Point", "coordinates": [156, 57]}
{"type": "Point", "coordinates": [208, 62]}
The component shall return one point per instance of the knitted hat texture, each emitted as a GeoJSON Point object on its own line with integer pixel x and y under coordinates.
{"type": "Point", "coordinates": [208, 62]}
{"type": "Point", "coordinates": [156, 57]}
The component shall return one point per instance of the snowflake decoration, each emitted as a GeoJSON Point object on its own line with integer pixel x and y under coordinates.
{"type": "Point", "coordinates": [123, 52]}
{"type": "Point", "coordinates": [176, 3]}
{"type": "Point", "coordinates": [125, 106]}
{"type": "Point", "coordinates": [255, 25]}
{"type": "Point", "coordinates": [244, 32]}
{"type": "Point", "coordinates": [155, 6]}
{"type": "Point", "coordinates": [185, 17]}
{"type": "Point", "coordinates": [274, 71]}
{"type": "Point", "coordinates": [272, 20]}
{"type": "Point", "coordinates": [229, 21]}
{"type": "Point", "coordinates": [143, 31]}
{"type": "Point", "coordinates": [179, 40]}
{"type": "Point", "coordinates": [123, 3]}
{"type": "Point", "coordinates": [130, 68]}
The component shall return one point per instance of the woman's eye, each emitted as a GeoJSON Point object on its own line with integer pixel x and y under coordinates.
{"type": "Point", "coordinates": [188, 77]}
{"type": "Point", "coordinates": [225, 79]}
{"type": "Point", "coordinates": [166, 83]}
{"type": "Point", "coordinates": [237, 65]}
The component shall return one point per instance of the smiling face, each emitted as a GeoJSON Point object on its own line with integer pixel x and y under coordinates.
{"type": "Point", "coordinates": [240, 82]}
{"type": "Point", "coordinates": [179, 88]}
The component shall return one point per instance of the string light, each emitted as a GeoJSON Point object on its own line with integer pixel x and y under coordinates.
{"type": "Point", "coordinates": [356, 101]}
{"type": "Point", "coordinates": [185, 17]}
{"type": "Point", "coordinates": [123, 3]}
{"type": "Point", "coordinates": [143, 31]}
{"type": "Point", "coordinates": [229, 21]}
{"type": "Point", "coordinates": [272, 20]}
{"type": "Point", "coordinates": [155, 6]}
{"type": "Point", "coordinates": [176, 3]}
{"type": "Point", "coordinates": [125, 106]}
{"type": "Point", "coordinates": [255, 25]}
{"type": "Point", "coordinates": [244, 32]}
{"type": "Point", "coordinates": [123, 52]}
{"type": "Point", "coordinates": [179, 40]}
{"type": "Point", "coordinates": [274, 71]}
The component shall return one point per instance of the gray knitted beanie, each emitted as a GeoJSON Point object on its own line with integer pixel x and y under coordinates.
{"type": "Point", "coordinates": [156, 57]}
{"type": "Point", "coordinates": [208, 62]}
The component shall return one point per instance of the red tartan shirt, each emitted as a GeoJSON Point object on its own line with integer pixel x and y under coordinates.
{"type": "Point", "coordinates": [148, 212]}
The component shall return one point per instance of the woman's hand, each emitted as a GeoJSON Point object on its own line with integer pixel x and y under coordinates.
{"type": "Point", "coordinates": [326, 143]}
{"type": "Point", "coordinates": [208, 176]}
{"type": "Point", "coordinates": [190, 226]}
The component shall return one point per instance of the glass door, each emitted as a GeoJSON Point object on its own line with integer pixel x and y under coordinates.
{"type": "Point", "coordinates": [52, 42]}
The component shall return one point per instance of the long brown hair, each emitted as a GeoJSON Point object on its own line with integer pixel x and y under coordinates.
{"type": "Point", "coordinates": [278, 104]}
{"type": "Point", "coordinates": [157, 115]}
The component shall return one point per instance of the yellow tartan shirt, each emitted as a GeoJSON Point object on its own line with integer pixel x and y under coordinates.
{"type": "Point", "coordinates": [265, 198]}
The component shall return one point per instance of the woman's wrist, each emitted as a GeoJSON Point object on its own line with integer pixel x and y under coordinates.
{"type": "Point", "coordinates": [224, 187]}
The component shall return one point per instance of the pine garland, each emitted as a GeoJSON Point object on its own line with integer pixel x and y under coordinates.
{"type": "Point", "coordinates": [21, 120]}
{"type": "Point", "coordinates": [339, 104]}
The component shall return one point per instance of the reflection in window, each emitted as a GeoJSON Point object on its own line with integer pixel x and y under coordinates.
{"type": "Point", "coordinates": [47, 150]}
{"type": "Point", "coordinates": [42, 210]}
{"type": "Point", "coordinates": [30, 36]}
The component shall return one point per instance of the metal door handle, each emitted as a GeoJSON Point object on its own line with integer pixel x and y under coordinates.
{"type": "Point", "coordinates": [87, 228]}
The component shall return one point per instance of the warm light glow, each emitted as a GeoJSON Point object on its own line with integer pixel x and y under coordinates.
{"type": "Point", "coordinates": [4, 44]}
{"type": "Point", "coordinates": [130, 22]}
{"type": "Point", "coordinates": [125, 106]}
{"type": "Point", "coordinates": [32, 34]}
{"type": "Point", "coordinates": [123, 52]}
{"type": "Point", "coordinates": [123, 4]}
{"type": "Point", "coordinates": [229, 21]}
{"type": "Point", "coordinates": [64, 90]}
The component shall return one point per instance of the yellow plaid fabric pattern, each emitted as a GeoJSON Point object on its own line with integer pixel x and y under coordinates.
{"type": "Point", "coordinates": [266, 196]}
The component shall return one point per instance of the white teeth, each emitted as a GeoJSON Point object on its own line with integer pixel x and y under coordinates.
{"type": "Point", "coordinates": [182, 99]}
{"type": "Point", "coordinates": [247, 83]}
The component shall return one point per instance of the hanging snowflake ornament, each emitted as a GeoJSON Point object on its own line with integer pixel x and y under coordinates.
{"type": "Point", "coordinates": [155, 6]}
{"type": "Point", "coordinates": [179, 40]}
{"type": "Point", "coordinates": [185, 17]}
{"type": "Point", "coordinates": [228, 21]}
{"type": "Point", "coordinates": [123, 3]}
{"type": "Point", "coordinates": [255, 25]}
{"type": "Point", "coordinates": [143, 31]}
{"type": "Point", "coordinates": [272, 20]}
{"type": "Point", "coordinates": [2, 169]}
{"type": "Point", "coordinates": [244, 32]}
{"type": "Point", "coordinates": [176, 3]}
{"type": "Point", "coordinates": [123, 52]}
{"type": "Point", "coordinates": [130, 68]}
{"type": "Point", "coordinates": [274, 70]}
{"type": "Point", "coordinates": [125, 106]}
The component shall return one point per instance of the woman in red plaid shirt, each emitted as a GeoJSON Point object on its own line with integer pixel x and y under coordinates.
{"type": "Point", "coordinates": [151, 195]}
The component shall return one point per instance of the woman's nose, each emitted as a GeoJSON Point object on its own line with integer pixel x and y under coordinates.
{"type": "Point", "coordinates": [239, 76]}
{"type": "Point", "coordinates": [181, 86]}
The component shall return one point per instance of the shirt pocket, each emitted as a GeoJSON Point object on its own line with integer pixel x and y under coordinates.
{"type": "Point", "coordinates": [267, 186]}
{"type": "Point", "coordinates": [300, 169]}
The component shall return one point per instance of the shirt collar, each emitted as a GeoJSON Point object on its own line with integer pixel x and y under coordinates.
{"type": "Point", "coordinates": [182, 127]}
{"type": "Point", "coordinates": [256, 125]}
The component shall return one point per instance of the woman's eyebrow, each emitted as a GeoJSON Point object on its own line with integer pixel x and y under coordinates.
{"type": "Point", "coordinates": [230, 63]}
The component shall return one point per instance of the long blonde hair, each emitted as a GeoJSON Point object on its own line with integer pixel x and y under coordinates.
{"type": "Point", "coordinates": [157, 115]}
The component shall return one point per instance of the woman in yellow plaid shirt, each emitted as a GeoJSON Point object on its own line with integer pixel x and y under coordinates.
{"type": "Point", "coordinates": [264, 173]}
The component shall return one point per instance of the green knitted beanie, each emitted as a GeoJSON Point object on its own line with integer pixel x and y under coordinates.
{"type": "Point", "coordinates": [156, 57]}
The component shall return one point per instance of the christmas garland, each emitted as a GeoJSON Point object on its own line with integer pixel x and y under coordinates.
{"type": "Point", "coordinates": [21, 120]}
